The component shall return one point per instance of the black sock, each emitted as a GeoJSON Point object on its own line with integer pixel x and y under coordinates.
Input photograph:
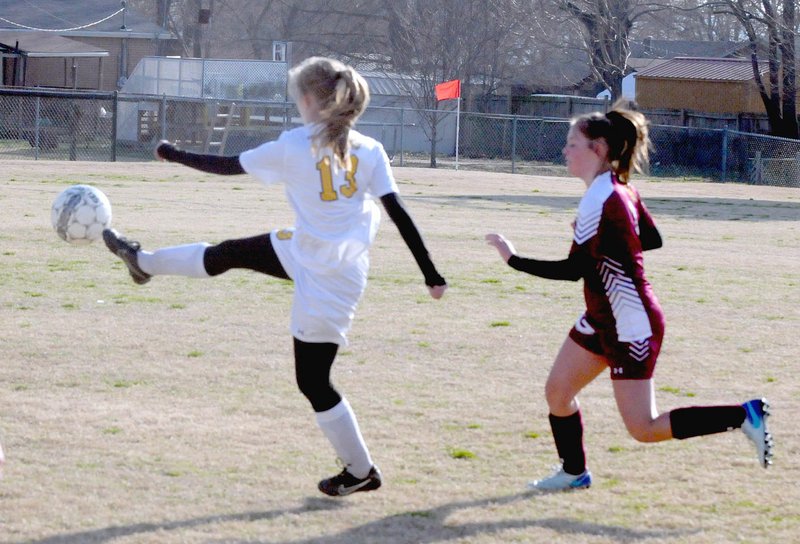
{"type": "Point", "coordinates": [703, 420]}
{"type": "Point", "coordinates": [568, 436]}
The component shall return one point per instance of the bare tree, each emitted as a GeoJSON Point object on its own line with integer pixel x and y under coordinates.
{"type": "Point", "coordinates": [180, 17]}
{"type": "Point", "coordinates": [606, 26]}
{"type": "Point", "coordinates": [773, 25]}
{"type": "Point", "coordinates": [687, 20]}
{"type": "Point", "coordinates": [469, 40]}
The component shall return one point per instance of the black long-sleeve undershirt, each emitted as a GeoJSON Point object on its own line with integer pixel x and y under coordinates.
{"type": "Point", "coordinates": [408, 230]}
{"type": "Point", "coordinates": [570, 269]}
{"type": "Point", "coordinates": [213, 164]}
{"type": "Point", "coordinates": [649, 237]}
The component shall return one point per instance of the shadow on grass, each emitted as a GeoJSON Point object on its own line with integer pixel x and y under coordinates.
{"type": "Point", "coordinates": [107, 534]}
{"type": "Point", "coordinates": [711, 208]}
{"type": "Point", "coordinates": [417, 527]}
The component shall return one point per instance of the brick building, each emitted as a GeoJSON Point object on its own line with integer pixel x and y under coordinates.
{"type": "Point", "coordinates": [80, 44]}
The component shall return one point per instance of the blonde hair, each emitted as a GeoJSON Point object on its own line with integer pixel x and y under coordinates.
{"type": "Point", "coordinates": [625, 132]}
{"type": "Point", "coordinates": [342, 96]}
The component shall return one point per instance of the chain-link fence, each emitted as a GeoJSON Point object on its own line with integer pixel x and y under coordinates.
{"type": "Point", "coordinates": [55, 125]}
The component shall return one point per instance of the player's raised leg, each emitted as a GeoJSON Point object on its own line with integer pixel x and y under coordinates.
{"type": "Point", "coordinates": [196, 260]}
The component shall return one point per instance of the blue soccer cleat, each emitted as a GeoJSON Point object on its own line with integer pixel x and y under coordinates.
{"type": "Point", "coordinates": [755, 428]}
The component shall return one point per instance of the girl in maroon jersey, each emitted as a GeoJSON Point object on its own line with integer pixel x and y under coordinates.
{"type": "Point", "coordinates": [623, 325]}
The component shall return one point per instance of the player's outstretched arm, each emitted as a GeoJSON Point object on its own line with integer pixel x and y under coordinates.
{"type": "Point", "coordinates": [570, 269]}
{"type": "Point", "coordinates": [408, 230]}
{"type": "Point", "coordinates": [213, 164]}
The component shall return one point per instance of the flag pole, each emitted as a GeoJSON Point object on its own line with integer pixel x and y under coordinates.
{"type": "Point", "coordinates": [458, 119]}
{"type": "Point", "coordinates": [447, 91]}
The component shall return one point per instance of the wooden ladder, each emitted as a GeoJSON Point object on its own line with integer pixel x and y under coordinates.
{"type": "Point", "coordinates": [222, 117]}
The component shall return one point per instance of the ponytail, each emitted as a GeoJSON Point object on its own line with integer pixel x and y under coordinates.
{"type": "Point", "coordinates": [342, 96]}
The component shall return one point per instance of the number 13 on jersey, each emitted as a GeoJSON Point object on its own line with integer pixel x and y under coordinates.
{"type": "Point", "coordinates": [329, 192]}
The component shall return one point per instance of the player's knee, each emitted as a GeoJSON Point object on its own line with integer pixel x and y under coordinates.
{"type": "Point", "coordinates": [641, 432]}
{"type": "Point", "coordinates": [321, 396]}
{"type": "Point", "coordinates": [215, 259]}
{"type": "Point", "coordinates": [559, 398]}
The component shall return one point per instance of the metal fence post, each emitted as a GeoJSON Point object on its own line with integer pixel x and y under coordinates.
{"type": "Point", "coordinates": [514, 145]}
{"type": "Point", "coordinates": [724, 154]}
{"type": "Point", "coordinates": [115, 121]}
{"type": "Point", "coordinates": [402, 129]}
{"type": "Point", "coordinates": [795, 179]}
{"type": "Point", "coordinates": [73, 122]}
{"type": "Point", "coordinates": [757, 168]}
{"type": "Point", "coordinates": [36, 122]}
{"type": "Point", "coordinates": [162, 116]}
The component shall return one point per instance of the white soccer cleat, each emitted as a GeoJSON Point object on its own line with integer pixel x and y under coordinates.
{"type": "Point", "coordinates": [562, 481]}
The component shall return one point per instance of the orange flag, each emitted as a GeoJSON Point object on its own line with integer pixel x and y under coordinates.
{"type": "Point", "coordinates": [448, 90]}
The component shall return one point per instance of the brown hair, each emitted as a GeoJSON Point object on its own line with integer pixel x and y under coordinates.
{"type": "Point", "coordinates": [342, 96]}
{"type": "Point", "coordinates": [625, 131]}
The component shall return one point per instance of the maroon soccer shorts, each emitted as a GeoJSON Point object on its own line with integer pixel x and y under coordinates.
{"type": "Point", "coordinates": [626, 360]}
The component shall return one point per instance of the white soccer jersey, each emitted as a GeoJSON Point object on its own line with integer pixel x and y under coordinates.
{"type": "Point", "coordinates": [336, 214]}
{"type": "Point", "coordinates": [326, 254]}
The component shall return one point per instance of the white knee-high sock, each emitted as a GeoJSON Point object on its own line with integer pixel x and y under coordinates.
{"type": "Point", "coordinates": [186, 260]}
{"type": "Point", "coordinates": [341, 428]}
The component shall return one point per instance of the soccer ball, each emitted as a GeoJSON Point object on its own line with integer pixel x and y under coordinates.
{"type": "Point", "coordinates": [80, 213]}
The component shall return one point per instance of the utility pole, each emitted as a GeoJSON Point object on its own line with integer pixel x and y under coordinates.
{"type": "Point", "coordinates": [203, 18]}
{"type": "Point", "coordinates": [162, 20]}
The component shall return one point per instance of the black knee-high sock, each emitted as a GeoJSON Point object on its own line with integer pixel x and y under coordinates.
{"type": "Point", "coordinates": [568, 436]}
{"type": "Point", "coordinates": [703, 420]}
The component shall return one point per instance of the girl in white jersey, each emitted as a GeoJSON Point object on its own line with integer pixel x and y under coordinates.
{"type": "Point", "coordinates": [332, 176]}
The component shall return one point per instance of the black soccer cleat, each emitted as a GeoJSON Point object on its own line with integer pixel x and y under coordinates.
{"type": "Point", "coordinates": [127, 251]}
{"type": "Point", "coordinates": [345, 483]}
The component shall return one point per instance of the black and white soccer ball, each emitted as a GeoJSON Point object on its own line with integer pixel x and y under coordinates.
{"type": "Point", "coordinates": [80, 213]}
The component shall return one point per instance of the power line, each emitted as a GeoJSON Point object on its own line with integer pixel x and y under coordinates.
{"type": "Point", "coordinates": [20, 25]}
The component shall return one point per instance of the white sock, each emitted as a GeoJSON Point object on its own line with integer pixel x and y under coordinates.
{"type": "Point", "coordinates": [341, 428]}
{"type": "Point", "coordinates": [186, 260]}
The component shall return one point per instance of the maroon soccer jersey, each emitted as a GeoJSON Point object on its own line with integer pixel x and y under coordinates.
{"type": "Point", "coordinates": [621, 307]}
{"type": "Point", "coordinates": [607, 230]}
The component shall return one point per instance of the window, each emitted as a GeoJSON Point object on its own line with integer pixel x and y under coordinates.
{"type": "Point", "coordinates": [279, 51]}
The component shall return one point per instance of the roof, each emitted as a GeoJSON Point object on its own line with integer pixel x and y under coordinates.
{"type": "Point", "coordinates": [45, 44]}
{"type": "Point", "coordinates": [640, 64]}
{"type": "Point", "coordinates": [707, 69]}
{"type": "Point", "coordinates": [668, 49]}
{"type": "Point", "coordinates": [388, 84]}
{"type": "Point", "coordinates": [77, 17]}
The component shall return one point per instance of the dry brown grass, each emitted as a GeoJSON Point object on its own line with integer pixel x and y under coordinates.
{"type": "Point", "coordinates": [168, 413]}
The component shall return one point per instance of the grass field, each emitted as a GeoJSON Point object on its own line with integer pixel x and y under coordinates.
{"type": "Point", "coordinates": [168, 413]}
